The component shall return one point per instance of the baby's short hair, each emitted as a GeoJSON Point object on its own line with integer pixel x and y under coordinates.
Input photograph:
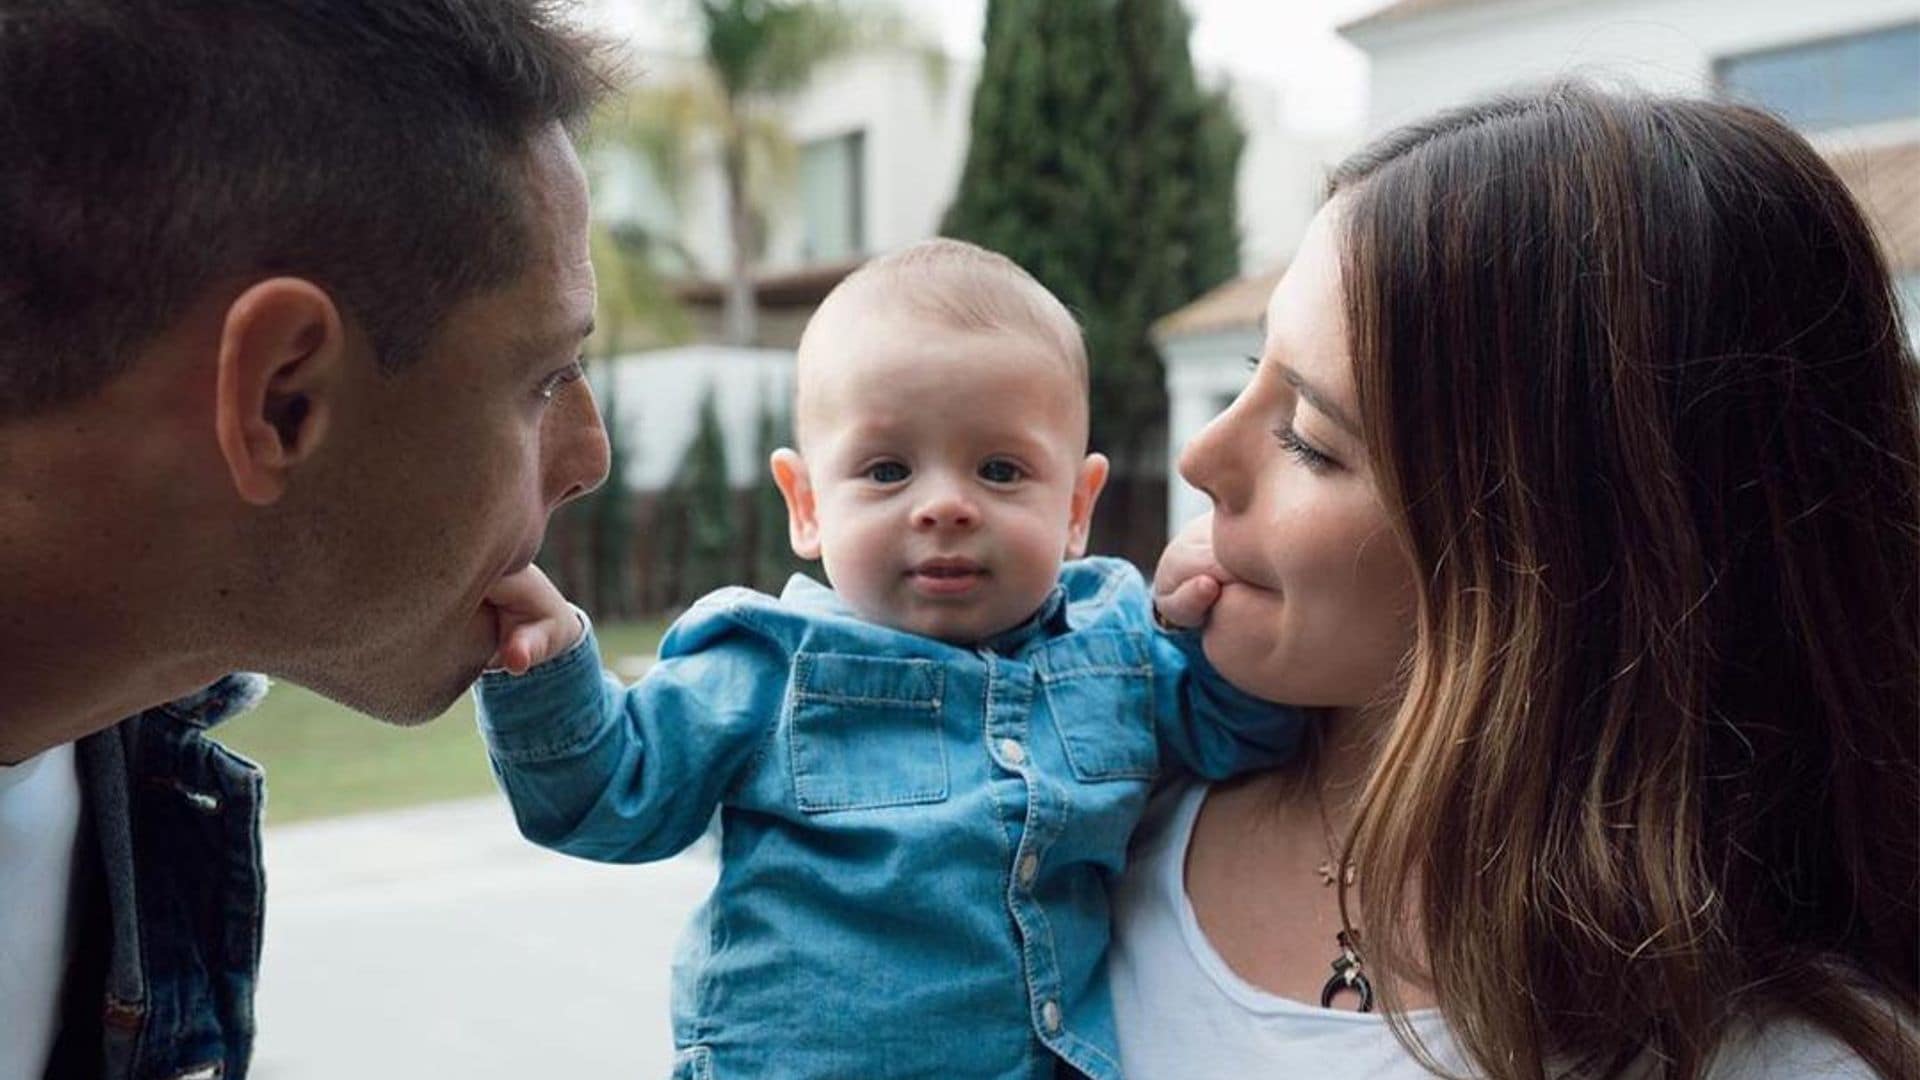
{"type": "Point", "coordinates": [969, 288]}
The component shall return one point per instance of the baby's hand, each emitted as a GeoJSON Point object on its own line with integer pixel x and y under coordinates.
{"type": "Point", "coordinates": [532, 621]}
{"type": "Point", "coordinates": [1188, 580]}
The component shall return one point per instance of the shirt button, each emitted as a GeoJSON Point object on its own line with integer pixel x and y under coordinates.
{"type": "Point", "coordinates": [1029, 869]}
{"type": "Point", "coordinates": [1013, 752]}
{"type": "Point", "coordinates": [1050, 1016]}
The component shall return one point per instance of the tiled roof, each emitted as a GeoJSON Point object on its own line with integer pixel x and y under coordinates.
{"type": "Point", "coordinates": [1234, 306]}
{"type": "Point", "coordinates": [1886, 180]}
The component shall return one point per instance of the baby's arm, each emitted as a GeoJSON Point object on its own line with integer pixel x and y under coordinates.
{"type": "Point", "coordinates": [532, 621]}
{"type": "Point", "coordinates": [1209, 726]}
{"type": "Point", "coordinates": [623, 773]}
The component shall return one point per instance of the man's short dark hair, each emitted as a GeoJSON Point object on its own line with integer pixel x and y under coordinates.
{"type": "Point", "coordinates": [152, 148]}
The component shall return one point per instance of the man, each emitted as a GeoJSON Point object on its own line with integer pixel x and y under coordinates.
{"type": "Point", "coordinates": [291, 300]}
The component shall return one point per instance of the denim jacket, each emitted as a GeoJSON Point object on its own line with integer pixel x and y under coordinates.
{"type": "Point", "coordinates": [168, 900]}
{"type": "Point", "coordinates": [917, 838]}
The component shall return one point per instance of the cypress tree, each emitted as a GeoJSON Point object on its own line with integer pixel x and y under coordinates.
{"type": "Point", "coordinates": [773, 557]}
{"type": "Point", "coordinates": [610, 509]}
{"type": "Point", "coordinates": [1099, 164]}
{"type": "Point", "coordinates": [703, 500]}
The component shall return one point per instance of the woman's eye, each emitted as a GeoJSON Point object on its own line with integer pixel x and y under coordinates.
{"type": "Point", "coordinates": [887, 472]}
{"type": "Point", "coordinates": [1314, 460]}
{"type": "Point", "coordinates": [1001, 472]}
{"type": "Point", "coordinates": [551, 385]}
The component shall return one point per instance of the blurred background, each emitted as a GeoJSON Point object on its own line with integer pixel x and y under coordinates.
{"type": "Point", "coordinates": [1154, 162]}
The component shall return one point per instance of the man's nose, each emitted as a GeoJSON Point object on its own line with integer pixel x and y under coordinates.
{"type": "Point", "coordinates": [575, 445]}
{"type": "Point", "coordinates": [945, 506]}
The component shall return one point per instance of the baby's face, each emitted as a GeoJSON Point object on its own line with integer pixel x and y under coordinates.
{"type": "Point", "coordinates": [948, 474]}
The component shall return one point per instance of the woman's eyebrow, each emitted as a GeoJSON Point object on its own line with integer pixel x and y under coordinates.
{"type": "Point", "coordinates": [1318, 400]}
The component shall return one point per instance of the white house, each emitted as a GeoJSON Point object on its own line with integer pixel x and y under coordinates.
{"type": "Point", "coordinates": [1847, 72]}
{"type": "Point", "coordinates": [881, 141]}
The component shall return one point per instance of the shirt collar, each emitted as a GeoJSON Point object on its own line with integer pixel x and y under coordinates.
{"type": "Point", "coordinates": [1050, 618]}
{"type": "Point", "coordinates": [227, 698]}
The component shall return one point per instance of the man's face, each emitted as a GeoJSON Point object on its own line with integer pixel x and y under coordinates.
{"type": "Point", "coordinates": [439, 480]}
{"type": "Point", "coordinates": [945, 468]}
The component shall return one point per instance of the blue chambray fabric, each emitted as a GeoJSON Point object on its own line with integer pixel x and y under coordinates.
{"type": "Point", "coordinates": [917, 838]}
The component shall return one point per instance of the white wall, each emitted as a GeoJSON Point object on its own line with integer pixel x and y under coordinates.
{"type": "Point", "coordinates": [657, 396]}
{"type": "Point", "coordinates": [916, 126]}
{"type": "Point", "coordinates": [1203, 372]}
{"type": "Point", "coordinates": [1282, 175]}
{"type": "Point", "coordinates": [1450, 57]}
{"type": "Point", "coordinates": [915, 123]}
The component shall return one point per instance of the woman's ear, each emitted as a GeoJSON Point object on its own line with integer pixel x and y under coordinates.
{"type": "Point", "coordinates": [1086, 492]}
{"type": "Point", "coordinates": [803, 524]}
{"type": "Point", "coordinates": [282, 347]}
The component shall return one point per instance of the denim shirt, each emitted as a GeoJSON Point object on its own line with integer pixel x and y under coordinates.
{"type": "Point", "coordinates": [168, 901]}
{"type": "Point", "coordinates": [917, 838]}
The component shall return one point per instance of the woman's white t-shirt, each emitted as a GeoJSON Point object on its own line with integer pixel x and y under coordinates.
{"type": "Point", "coordinates": [1182, 1012]}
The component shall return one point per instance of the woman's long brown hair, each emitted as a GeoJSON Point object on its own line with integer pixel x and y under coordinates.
{"type": "Point", "coordinates": [1639, 401]}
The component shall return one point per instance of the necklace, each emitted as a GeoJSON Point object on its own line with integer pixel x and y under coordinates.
{"type": "Point", "coordinates": [1347, 977]}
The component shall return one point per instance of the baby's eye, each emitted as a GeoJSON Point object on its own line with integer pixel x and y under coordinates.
{"type": "Point", "coordinates": [887, 472]}
{"type": "Point", "coordinates": [1001, 472]}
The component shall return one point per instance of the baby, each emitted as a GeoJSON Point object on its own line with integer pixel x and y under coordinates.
{"type": "Point", "coordinates": [926, 774]}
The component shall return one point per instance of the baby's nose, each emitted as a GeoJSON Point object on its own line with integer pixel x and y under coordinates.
{"type": "Point", "coordinates": [946, 510]}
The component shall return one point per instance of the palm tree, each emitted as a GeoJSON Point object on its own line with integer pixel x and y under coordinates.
{"type": "Point", "coordinates": [753, 55]}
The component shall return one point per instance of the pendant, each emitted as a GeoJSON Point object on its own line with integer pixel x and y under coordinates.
{"type": "Point", "coordinates": [1347, 978]}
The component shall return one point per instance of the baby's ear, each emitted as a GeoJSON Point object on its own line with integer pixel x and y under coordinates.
{"type": "Point", "coordinates": [1086, 492]}
{"type": "Point", "coordinates": [803, 525]}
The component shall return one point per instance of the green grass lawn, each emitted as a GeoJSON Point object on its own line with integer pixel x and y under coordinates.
{"type": "Point", "coordinates": [324, 759]}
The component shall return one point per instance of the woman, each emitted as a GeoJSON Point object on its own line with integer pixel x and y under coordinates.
{"type": "Point", "coordinates": [1580, 482]}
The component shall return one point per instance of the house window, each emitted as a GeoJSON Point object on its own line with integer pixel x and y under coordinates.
{"type": "Point", "coordinates": [833, 198]}
{"type": "Point", "coordinates": [1838, 82]}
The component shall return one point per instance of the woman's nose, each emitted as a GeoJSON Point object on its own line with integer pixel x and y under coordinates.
{"type": "Point", "coordinates": [1207, 462]}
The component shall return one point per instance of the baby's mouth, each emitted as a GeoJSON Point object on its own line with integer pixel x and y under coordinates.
{"type": "Point", "coordinates": [946, 575]}
{"type": "Point", "coordinates": [946, 568]}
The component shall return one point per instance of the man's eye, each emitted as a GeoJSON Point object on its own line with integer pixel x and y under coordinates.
{"type": "Point", "coordinates": [887, 472]}
{"type": "Point", "coordinates": [551, 385]}
{"type": "Point", "coordinates": [1001, 472]}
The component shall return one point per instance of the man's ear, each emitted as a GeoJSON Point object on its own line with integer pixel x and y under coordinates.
{"type": "Point", "coordinates": [803, 524]}
{"type": "Point", "coordinates": [282, 350]}
{"type": "Point", "coordinates": [1086, 492]}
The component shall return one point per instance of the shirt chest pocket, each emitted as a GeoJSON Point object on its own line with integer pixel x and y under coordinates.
{"type": "Point", "coordinates": [866, 733]}
{"type": "Point", "coordinates": [1099, 688]}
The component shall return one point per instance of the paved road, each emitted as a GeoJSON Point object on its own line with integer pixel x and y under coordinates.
{"type": "Point", "coordinates": [434, 942]}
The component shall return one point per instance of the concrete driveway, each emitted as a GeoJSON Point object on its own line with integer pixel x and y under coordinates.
{"type": "Point", "coordinates": [434, 942]}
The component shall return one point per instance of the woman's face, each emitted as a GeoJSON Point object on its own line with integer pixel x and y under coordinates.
{"type": "Point", "coordinates": [1320, 611]}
